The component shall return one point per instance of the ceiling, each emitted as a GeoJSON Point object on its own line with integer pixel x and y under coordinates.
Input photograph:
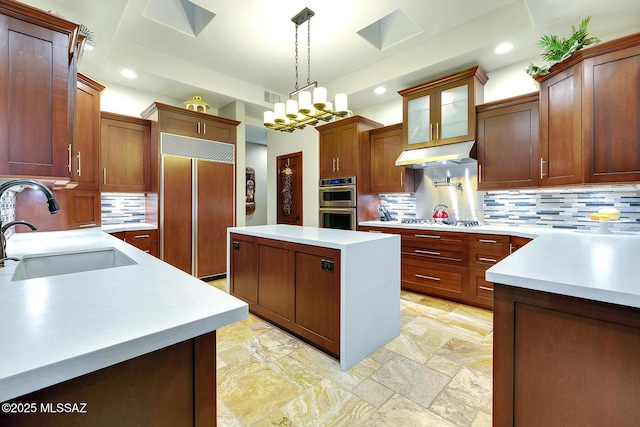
{"type": "Point", "coordinates": [247, 47]}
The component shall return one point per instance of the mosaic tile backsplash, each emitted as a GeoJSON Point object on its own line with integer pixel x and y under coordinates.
{"type": "Point", "coordinates": [122, 208]}
{"type": "Point", "coordinates": [567, 208]}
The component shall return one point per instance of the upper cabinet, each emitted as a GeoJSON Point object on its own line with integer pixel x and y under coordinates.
{"type": "Point", "coordinates": [37, 92]}
{"type": "Point", "coordinates": [611, 108]}
{"type": "Point", "coordinates": [125, 146]}
{"type": "Point", "coordinates": [85, 154]}
{"type": "Point", "coordinates": [589, 109]}
{"type": "Point", "coordinates": [442, 111]}
{"type": "Point", "coordinates": [386, 177]}
{"type": "Point", "coordinates": [508, 141]}
{"type": "Point", "coordinates": [345, 151]}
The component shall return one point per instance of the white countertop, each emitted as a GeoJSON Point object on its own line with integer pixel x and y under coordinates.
{"type": "Point", "coordinates": [326, 237]}
{"type": "Point", "coordinates": [60, 327]}
{"type": "Point", "coordinates": [528, 232]}
{"type": "Point", "coordinates": [114, 228]}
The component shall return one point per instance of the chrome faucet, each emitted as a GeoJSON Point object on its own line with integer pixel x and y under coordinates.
{"type": "Point", "coordinates": [51, 201]}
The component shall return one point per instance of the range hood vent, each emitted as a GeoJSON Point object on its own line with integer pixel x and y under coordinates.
{"type": "Point", "coordinates": [442, 155]}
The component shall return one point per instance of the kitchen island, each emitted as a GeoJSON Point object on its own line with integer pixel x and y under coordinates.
{"type": "Point", "coordinates": [337, 289]}
{"type": "Point", "coordinates": [567, 331]}
{"type": "Point", "coordinates": [114, 345]}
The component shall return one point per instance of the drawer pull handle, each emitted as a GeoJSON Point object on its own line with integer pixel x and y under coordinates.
{"type": "Point", "coordinates": [485, 288]}
{"type": "Point", "coordinates": [87, 225]}
{"type": "Point", "coordinates": [142, 236]}
{"type": "Point", "coordinates": [419, 251]}
{"type": "Point", "coordinates": [430, 236]}
{"type": "Point", "coordinates": [421, 276]}
{"type": "Point", "coordinates": [487, 260]}
{"type": "Point", "coordinates": [487, 241]}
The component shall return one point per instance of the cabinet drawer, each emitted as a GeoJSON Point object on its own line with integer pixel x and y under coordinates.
{"type": "Point", "coordinates": [145, 240]}
{"type": "Point", "coordinates": [483, 258]}
{"type": "Point", "coordinates": [493, 241]}
{"type": "Point", "coordinates": [480, 291]}
{"type": "Point", "coordinates": [447, 254]}
{"type": "Point", "coordinates": [428, 237]}
{"type": "Point", "coordinates": [451, 281]}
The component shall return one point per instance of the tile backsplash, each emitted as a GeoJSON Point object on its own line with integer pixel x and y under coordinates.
{"type": "Point", "coordinates": [551, 208]}
{"type": "Point", "coordinates": [122, 208]}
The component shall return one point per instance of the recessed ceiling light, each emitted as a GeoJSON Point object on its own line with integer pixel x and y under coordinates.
{"type": "Point", "coordinates": [380, 90]}
{"type": "Point", "coordinates": [128, 73]}
{"type": "Point", "coordinates": [503, 48]}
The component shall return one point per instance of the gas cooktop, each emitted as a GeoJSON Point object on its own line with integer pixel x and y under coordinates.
{"type": "Point", "coordinates": [444, 221]}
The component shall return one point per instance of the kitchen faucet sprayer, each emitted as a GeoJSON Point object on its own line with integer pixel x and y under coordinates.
{"type": "Point", "coordinates": [51, 200]}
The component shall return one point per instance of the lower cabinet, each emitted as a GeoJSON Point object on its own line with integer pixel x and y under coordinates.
{"type": "Point", "coordinates": [564, 361]}
{"type": "Point", "coordinates": [294, 286]}
{"type": "Point", "coordinates": [485, 250]}
{"type": "Point", "coordinates": [145, 240]}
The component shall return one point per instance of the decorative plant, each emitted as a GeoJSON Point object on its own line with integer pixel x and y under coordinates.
{"type": "Point", "coordinates": [84, 30]}
{"type": "Point", "coordinates": [557, 50]}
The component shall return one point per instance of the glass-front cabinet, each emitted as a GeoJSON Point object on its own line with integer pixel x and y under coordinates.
{"type": "Point", "coordinates": [442, 111]}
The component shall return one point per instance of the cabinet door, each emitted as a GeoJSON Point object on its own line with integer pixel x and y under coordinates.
{"type": "Point", "coordinates": [317, 296]}
{"type": "Point", "coordinates": [419, 115]}
{"type": "Point", "coordinates": [347, 161]}
{"type": "Point", "coordinates": [611, 103]}
{"type": "Point", "coordinates": [276, 282]}
{"type": "Point", "coordinates": [244, 268]}
{"type": "Point", "coordinates": [86, 145]}
{"type": "Point", "coordinates": [386, 177]}
{"type": "Point", "coordinates": [84, 208]}
{"type": "Point", "coordinates": [125, 148]}
{"type": "Point", "coordinates": [329, 149]}
{"type": "Point", "coordinates": [176, 212]}
{"type": "Point", "coordinates": [34, 100]}
{"type": "Point", "coordinates": [561, 128]}
{"type": "Point", "coordinates": [215, 212]}
{"type": "Point", "coordinates": [508, 146]}
{"type": "Point", "coordinates": [178, 123]}
{"type": "Point", "coordinates": [456, 112]}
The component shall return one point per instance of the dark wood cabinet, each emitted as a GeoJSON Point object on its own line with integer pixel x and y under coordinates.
{"type": "Point", "coordinates": [485, 250]}
{"type": "Point", "coordinates": [508, 143]}
{"type": "Point", "coordinates": [442, 111]}
{"type": "Point", "coordinates": [562, 361]}
{"type": "Point", "coordinates": [125, 153]}
{"type": "Point", "coordinates": [561, 128]}
{"type": "Point", "coordinates": [611, 107]}
{"type": "Point", "coordinates": [198, 174]}
{"type": "Point", "coordinates": [37, 75]}
{"type": "Point", "coordinates": [386, 177]}
{"type": "Point", "coordinates": [295, 286]}
{"type": "Point", "coordinates": [85, 154]}
{"type": "Point", "coordinates": [345, 151]}
{"type": "Point", "coordinates": [145, 240]}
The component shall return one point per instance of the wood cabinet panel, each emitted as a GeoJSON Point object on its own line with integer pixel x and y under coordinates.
{"type": "Point", "coordinates": [480, 290]}
{"type": "Point", "coordinates": [136, 389]}
{"type": "Point", "coordinates": [508, 143]}
{"type": "Point", "coordinates": [177, 240]}
{"type": "Point", "coordinates": [36, 102]}
{"type": "Point", "coordinates": [85, 208]}
{"type": "Point", "coordinates": [611, 103]}
{"type": "Point", "coordinates": [276, 281]}
{"type": "Point", "coordinates": [518, 242]}
{"type": "Point", "coordinates": [386, 177]}
{"type": "Point", "coordinates": [561, 128]}
{"type": "Point", "coordinates": [145, 240]}
{"type": "Point", "coordinates": [243, 277]}
{"type": "Point", "coordinates": [593, 347]}
{"type": "Point", "coordinates": [215, 213]}
{"type": "Point", "coordinates": [85, 156]}
{"type": "Point", "coordinates": [435, 279]}
{"type": "Point", "coordinates": [125, 153]}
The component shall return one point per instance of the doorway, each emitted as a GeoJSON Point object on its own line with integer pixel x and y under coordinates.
{"type": "Point", "coordinates": [289, 194]}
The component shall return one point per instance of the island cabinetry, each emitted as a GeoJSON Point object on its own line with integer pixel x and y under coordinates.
{"type": "Point", "coordinates": [561, 360]}
{"type": "Point", "coordinates": [125, 153]}
{"type": "Point", "coordinates": [345, 151]}
{"type": "Point", "coordinates": [485, 250]}
{"type": "Point", "coordinates": [37, 92]}
{"type": "Point", "coordinates": [508, 143]}
{"type": "Point", "coordinates": [442, 111]}
{"type": "Point", "coordinates": [295, 286]}
{"type": "Point", "coordinates": [611, 107]}
{"type": "Point", "coordinates": [386, 177]}
{"type": "Point", "coordinates": [136, 389]}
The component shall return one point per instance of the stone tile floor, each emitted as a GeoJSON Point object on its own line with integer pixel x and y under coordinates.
{"type": "Point", "coordinates": [437, 372]}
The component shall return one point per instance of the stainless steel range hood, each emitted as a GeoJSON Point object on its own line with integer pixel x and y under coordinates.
{"type": "Point", "coordinates": [420, 158]}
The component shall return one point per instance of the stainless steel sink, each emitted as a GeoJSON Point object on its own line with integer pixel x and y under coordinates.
{"type": "Point", "coordinates": [34, 266]}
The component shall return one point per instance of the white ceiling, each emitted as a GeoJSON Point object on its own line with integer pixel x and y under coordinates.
{"type": "Point", "coordinates": [248, 46]}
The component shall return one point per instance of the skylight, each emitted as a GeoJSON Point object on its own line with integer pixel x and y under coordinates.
{"type": "Point", "coordinates": [392, 29]}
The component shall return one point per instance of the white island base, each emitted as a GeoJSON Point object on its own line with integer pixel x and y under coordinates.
{"type": "Point", "coordinates": [337, 289]}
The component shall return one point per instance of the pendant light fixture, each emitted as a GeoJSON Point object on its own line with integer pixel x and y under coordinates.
{"type": "Point", "coordinates": [310, 107]}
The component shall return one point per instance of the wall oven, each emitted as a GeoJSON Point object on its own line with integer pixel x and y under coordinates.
{"type": "Point", "coordinates": [338, 203]}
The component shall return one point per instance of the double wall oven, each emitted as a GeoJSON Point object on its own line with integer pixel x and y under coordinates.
{"type": "Point", "coordinates": [338, 203]}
